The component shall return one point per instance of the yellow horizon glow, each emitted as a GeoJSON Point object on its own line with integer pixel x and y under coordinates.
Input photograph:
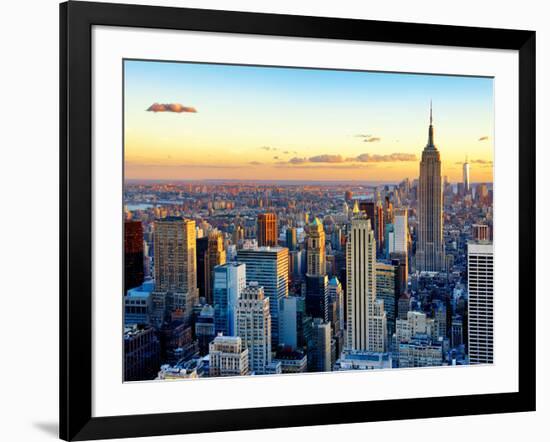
{"type": "Point", "coordinates": [170, 161]}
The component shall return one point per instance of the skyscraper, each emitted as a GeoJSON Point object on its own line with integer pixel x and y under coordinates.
{"type": "Point", "coordinates": [254, 326]}
{"type": "Point", "coordinates": [336, 314]}
{"type": "Point", "coordinates": [400, 261]}
{"type": "Point", "coordinates": [375, 212]}
{"type": "Point", "coordinates": [480, 302]}
{"type": "Point", "coordinates": [291, 240]}
{"type": "Point", "coordinates": [317, 296]}
{"type": "Point", "coordinates": [403, 306]}
{"type": "Point", "coordinates": [319, 351]}
{"type": "Point", "coordinates": [399, 250]}
{"type": "Point", "coordinates": [316, 278]}
{"type": "Point", "coordinates": [133, 254]}
{"type": "Point", "coordinates": [238, 236]}
{"type": "Point", "coordinates": [440, 319]}
{"type": "Point", "coordinates": [482, 192]}
{"type": "Point", "coordinates": [316, 251]}
{"type": "Point", "coordinates": [381, 219]}
{"type": "Point", "coordinates": [202, 248]}
{"type": "Point", "coordinates": [387, 289]}
{"type": "Point", "coordinates": [229, 282]}
{"type": "Point", "coordinates": [215, 255]}
{"type": "Point", "coordinates": [366, 320]}
{"type": "Point", "coordinates": [378, 327]}
{"type": "Point", "coordinates": [175, 270]}
{"type": "Point", "coordinates": [389, 239]}
{"type": "Point", "coordinates": [368, 207]}
{"type": "Point", "coordinates": [268, 266]}
{"type": "Point", "coordinates": [290, 321]}
{"type": "Point", "coordinates": [430, 255]}
{"type": "Point", "coordinates": [400, 231]}
{"type": "Point", "coordinates": [205, 329]}
{"type": "Point", "coordinates": [297, 264]}
{"type": "Point", "coordinates": [336, 238]}
{"type": "Point", "coordinates": [141, 353]}
{"type": "Point", "coordinates": [457, 325]}
{"type": "Point", "coordinates": [466, 176]}
{"type": "Point", "coordinates": [336, 297]}
{"type": "Point", "coordinates": [175, 260]}
{"type": "Point", "coordinates": [388, 210]}
{"type": "Point", "coordinates": [268, 232]}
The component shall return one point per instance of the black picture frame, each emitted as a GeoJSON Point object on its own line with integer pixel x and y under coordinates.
{"type": "Point", "coordinates": [76, 21]}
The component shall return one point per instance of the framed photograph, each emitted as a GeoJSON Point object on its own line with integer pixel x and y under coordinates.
{"type": "Point", "coordinates": [273, 220]}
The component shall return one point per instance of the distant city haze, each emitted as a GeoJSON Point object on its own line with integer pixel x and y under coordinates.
{"type": "Point", "coordinates": [192, 121]}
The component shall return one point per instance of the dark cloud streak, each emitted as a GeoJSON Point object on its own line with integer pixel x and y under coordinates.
{"type": "Point", "coordinates": [171, 107]}
{"type": "Point", "coordinates": [363, 158]}
{"type": "Point", "coordinates": [372, 139]}
{"type": "Point", "coordinates": [368, 138]}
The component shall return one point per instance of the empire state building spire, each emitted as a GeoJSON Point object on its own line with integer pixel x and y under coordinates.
{"type": "Point", "coordinates": [431, 144]}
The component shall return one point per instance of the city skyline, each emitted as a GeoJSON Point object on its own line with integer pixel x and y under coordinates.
{"type": "Point", "coordinates": [295, 259]}
{"type": "Point", "coordinates": [193, 121]}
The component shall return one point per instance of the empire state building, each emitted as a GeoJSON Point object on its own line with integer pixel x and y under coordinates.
{"type": "Point", "coordinates": [430, 253]}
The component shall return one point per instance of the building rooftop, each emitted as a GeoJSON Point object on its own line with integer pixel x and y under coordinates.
{"type": "Point", "coordinates": [207, 310]}
{"type": "Point", "coordinates": [230, 264]}
{"type": "Point", "coordinates": [264, 249]}
{"type": "Point", "coordinates": [227, 339]}
{"type": "Point", "coordinates": [134, 330]}
{"type": "Point", "coordinates": [143, 290]}
{"type": "Point", "coordinates": [365, 356]}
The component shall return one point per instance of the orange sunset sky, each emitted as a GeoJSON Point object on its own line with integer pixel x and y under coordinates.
{"type": "Point", "coordinates": [202, 121]}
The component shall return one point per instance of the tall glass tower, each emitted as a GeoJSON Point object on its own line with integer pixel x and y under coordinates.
{"type": "Point", "coordinates": [229, 282]}
{"type": "Point", "coordinates": [466, 176]}
{"type": "Point", "coordinates": [268, 266]}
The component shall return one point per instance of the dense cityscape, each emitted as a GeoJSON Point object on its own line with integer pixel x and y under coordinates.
{"type": "Point", "coordinates": [241, 277]}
